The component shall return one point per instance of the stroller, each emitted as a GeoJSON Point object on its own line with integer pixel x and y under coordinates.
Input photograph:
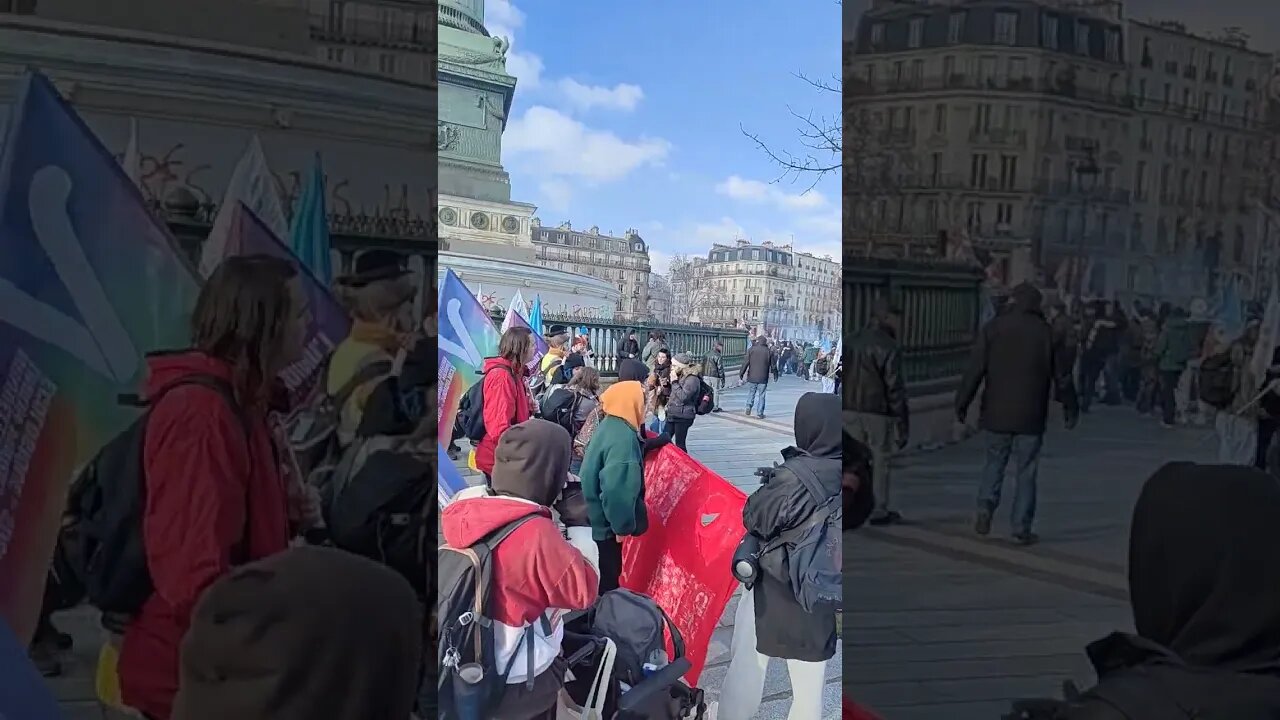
{"type": "Point", "coordinates": [599, 688]}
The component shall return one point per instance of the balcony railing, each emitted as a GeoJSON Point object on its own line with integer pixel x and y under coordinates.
{"type": "Point", "coordinates": [405, 35]}
{"type": "Point", "coordinates": [862, 88]}
{"type": "Point", "coordinates": [1000, 137]}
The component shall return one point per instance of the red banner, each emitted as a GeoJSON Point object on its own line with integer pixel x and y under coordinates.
{"type": "Point", "coordinates": [683, 560]}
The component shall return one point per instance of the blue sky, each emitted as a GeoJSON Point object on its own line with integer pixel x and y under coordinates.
{"type": "Point", "coordinates": [629, 115]}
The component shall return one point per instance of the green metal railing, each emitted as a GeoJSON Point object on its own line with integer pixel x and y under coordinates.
{"type": "Point", "coordinates": [693, 339]}
{"type": "Point", "coordinates": [939, 304]}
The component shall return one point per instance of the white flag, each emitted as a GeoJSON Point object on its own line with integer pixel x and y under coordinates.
{"type": "Point", "coordinates": [252, 184]}
{"type": "Point", "coordinates": [132, 162]}
{"type": "Point", "coordinates": [519, 305]}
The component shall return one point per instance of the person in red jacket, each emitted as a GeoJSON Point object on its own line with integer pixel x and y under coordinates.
{"type": "Point", "coordinates": [215, 493]}
{"type": "Point", "coordinates": [506, 396]}
{"type": "Point", "coordinates": [537, 574]}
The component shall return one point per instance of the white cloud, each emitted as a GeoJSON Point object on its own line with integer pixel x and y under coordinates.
{"type": "Point", "coordinates": [724, 231]}
{"type": "Point", "coordinates": [659, 261]}
{"type": "Point", "coordinates": [623, 96]}
{"type": "Point", "coordinates": [526, 68]}
{"type": "Point", "coordinates": [563, 146]}
{"type": "Point", "coordinates": [501, 13]}
{"type": "Point", "coordinates": [754, 191]}
{"type": "Point", "coordinates": [503, 19]}
{"type": "Point", "coordinates": [557, 194]}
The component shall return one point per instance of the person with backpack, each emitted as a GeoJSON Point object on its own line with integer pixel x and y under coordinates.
{"type": "Point", "coordinates": [215, 492]}
{"type": "Point", "coordinates": [1203, 587]}
{"type": "Point", "coordinates": [305, 634]}
{"type": "Point", "coordinates": [1226, 383]}
{"type": "Point", "coordinates": [822, 369]}
{"type": "Point", "coordinates": [797, 501]}
{"type": "Point", "coordinates": [536, 576]}
{"type": "Point", "coordinates": [504, 397]}
{"type": "Point", "coordinates": [378, 295]}
{"type": "Point", "coordinates": [613, 477]}
{"type": "Point", "coordinates": [572, 405]}
{"type": "Point", "coordinates": [714, 368]}
{"type": "Point", "coordinates": [686, 392]}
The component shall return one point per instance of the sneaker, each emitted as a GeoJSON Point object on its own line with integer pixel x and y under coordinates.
{"type": "Point", "coordinates": [747, 413]}
{"type": "Point", "coordinates": [982, 521]}
{"type": "Point", "coordinates": [892, 517]}
{"type": "Point", "coordinates": [1026, 538]}
{"type": "Point", "coordinates": [716, 410]}
{"type": "Point", "coordinates": [761, 416]}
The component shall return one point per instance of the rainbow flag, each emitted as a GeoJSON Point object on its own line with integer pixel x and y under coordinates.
{"type": "Point", "coordinates": [466, 337]}
{"type": "Point", "coordinates": [90, 280]}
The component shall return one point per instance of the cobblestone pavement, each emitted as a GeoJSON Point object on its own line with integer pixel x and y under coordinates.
{"type": "Point", "coordinates": [942, 624]}
{"type": "Point", "coordinates": [727, 442]}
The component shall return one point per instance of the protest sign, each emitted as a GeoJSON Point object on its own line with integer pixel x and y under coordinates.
{"type": "Point", "coordinates": [466, 337]}
{"type": "Point", "coordinates": [90, 280]}
{"type": "Point", "coordinates": [683, 560]}
{"type": "Point", "coordinates": [328, 323]}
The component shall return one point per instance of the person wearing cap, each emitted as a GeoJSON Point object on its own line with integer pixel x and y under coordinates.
{"type": "Point", "coordinates": [682, 405]}
{"type": "Point", "coordinates": [378, 295]}
{"type": "Point", "coordinates": [557, 339]}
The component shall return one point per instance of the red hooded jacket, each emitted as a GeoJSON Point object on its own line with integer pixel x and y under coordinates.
{"type": "Point", "coordinates": [506, 403]}
{"type": "Point", "coordinates": [215, 497]}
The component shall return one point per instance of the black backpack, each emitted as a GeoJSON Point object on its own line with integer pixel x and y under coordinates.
{"type": "Point", "coordinates": [313, 432]}
{"type": "Point", "coordinates": [706, 398]}
{"type": "Point", "coordinates": [100, 547]}
{"type": "Point", "coordinates": [1216, 380]}
{"type": "Point", "coordinates": [464, 582]}
{"type": "Point", "coordinates": [379, 506]}
{"type": "Point", "coordinates": [471, 408]}
{"type": "Point", "coordinates": [560, 408]}
{"type": "Point", "coordinates": [809, 557]}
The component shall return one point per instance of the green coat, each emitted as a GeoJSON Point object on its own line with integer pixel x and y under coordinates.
{"type": "Point", "coordinates": [810, 354]}
{"type": "Point", "coordinates": [1173, 346]}
{"type": "Point", "coordinates": [613, 480]}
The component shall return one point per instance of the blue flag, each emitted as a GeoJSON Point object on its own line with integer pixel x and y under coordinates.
{"type": "Point", "coordinates": [309, 236]}
{"type": "Point", "coordinates": [23, 694]}
{"type": "Point", "coordinates": [1229, 313]}
{"type": "Point", "coordinates": [535, 315]}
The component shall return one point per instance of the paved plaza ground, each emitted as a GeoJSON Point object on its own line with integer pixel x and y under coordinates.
{"type": "Point", "coordinates": [940, 624]}
{"type": "Point", "coordinates": [727, 442]}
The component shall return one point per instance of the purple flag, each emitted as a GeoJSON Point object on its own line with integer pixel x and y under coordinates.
{"type": "Point", "coordinates": [540, 347]}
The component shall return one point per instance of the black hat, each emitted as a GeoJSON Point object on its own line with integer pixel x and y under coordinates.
{"type": "Point", "coordinates": [555, 330]}
{"type": "Point", "coordinates": [575, 360]}
{"type": "Point", "coordinates": [374, 265]}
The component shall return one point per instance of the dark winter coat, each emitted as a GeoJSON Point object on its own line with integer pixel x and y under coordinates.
{"type": "Point", "coordinates": [1015, 362]}
{"type": "Point", "coordinates": [683, 401]}
{"type": "Point", "coordinates": [783, 628]}
{"type": "Point", "coordinates": [758, 364]}
{"type": "Point", "coordinates": [1204, 585]}
{"type": "Point", "coordinates": [629, 349]}
{"type": "Point", "coordinates": [878, 386]}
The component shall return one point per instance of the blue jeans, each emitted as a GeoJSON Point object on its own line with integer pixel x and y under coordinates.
{"type": "Point", "coordinates": [656, 426]}
{"type": "Point", "coordinates": [1026, 452]}
{"type": "Point", "coordinates": [755, 396]}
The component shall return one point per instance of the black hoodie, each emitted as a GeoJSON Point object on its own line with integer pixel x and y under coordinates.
{"type": "Point", "coordinates": [1205, 587]}
{"type": "Point", "coordinates": [783, 628]}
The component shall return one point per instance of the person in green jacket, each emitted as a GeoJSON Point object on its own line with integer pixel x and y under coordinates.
{"type": "Point", "coordinates": [613, 477]}
{"type": "Point", "coordinates": [1173, 350]}
{"type": "Point", "coordinates": [810, 354]}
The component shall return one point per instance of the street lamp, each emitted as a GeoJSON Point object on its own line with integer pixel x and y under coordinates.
{"type": "Point", "coordinates": [1088, 172]}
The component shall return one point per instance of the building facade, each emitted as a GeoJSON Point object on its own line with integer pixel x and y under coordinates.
{"type": "Point", "coordinates": [817, 294]}
{"type": "Point", "coordinates": [621, 261]}
{"type": "Point", "coordinates": [755, 288]}
{"type": "Point", "coordinates": [1200, 152]}
{"type": "Point", "coordinates": [975, 118]}
{"type": "Point", "coordinates": [1057, 142]}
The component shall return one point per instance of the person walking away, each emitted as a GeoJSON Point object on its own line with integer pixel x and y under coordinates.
{"type": "Point", "coordinates": [1112, 330]}
{"type": "Point", "coordinates": [1016, 364]}
{"type": "Point", "coordinates": [755, 372]}
{"type": "Point", "coordinates": [378, 297]}
{"type": "Point", "coordinates": [714, 367]}
{"type": "Point", "coordinates": [1173, 351]}
{"type": "Point", "coordinates": [877, 398]}
{"type": "Point", "coordinates": [613, 478]}
{"type": "Point", "coordinates": [505, 395]}
{"type": "Point", "coordinates": [686, 390]}
{"type": "Point", "coordinates": [1149, 382]}
{"type": "Point", "coordinates": [1131, 344]}
{"type": "Point", "coordinates": [785, 356]}
{"type": "Point", "coordinates": [538, 575]}
{"type": "Point", "coordinates": [1203, 586]}
{"type": "Point", "coordinates": [216, 497]}
{"type": "Point", "coordinates": [630, 348]}
{"type": "Point", "coordinates": [658, 391]}
{"type": "Point", "coordinates": [810, 355]}
{"type": "Point", "coordinates": [261, 647]}
{"type": "Point", "coordinates": [1099, 345]}
{"type": "Point", "coordinates": [1236, 420]}
{"type": "Point", "coordinates": [825, 371]}
{"type": "Point", "coordinates": [770, 622]}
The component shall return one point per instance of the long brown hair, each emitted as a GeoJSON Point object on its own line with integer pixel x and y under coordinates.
{"type": "Point", "coordinates": [243, 317]}
{"type": "Point", "coordinates": [515, 345]}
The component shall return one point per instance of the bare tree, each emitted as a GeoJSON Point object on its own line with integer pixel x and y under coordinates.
{"type": "Point", "coordinates": [820, 141]}
{"type": "Point", "coordinates": [693, 294]}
